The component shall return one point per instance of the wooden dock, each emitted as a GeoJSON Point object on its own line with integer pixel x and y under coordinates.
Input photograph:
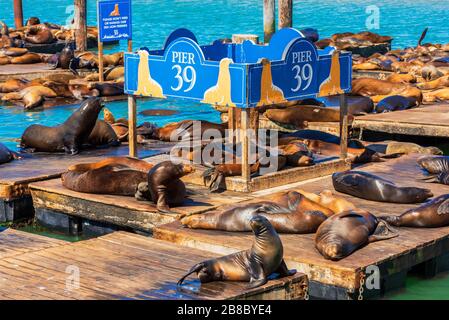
{"type": "Point", "coordinates": [15, 201]}
{"type": "Point", "coordinates": [341, 280]}
{"type": "Point", "coordinates": [427, 120]}
{"type": "Point", "coordinates": [118, 266]}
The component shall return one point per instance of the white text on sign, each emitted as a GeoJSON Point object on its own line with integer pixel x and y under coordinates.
{"type": "Point", "coordinates": [302, 56]}
{"type": "Point", "coordinates": [183, 57]}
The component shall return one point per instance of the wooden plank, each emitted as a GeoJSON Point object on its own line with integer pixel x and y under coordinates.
{"type": "Point", "coordinates": [427, 120]}
{"type": "Point", "coordinates": [16, 175]}
{"type": "Point", "coordinates": [126, 266]}
{"type": "Point", "coordinates": [120, 210]}
{"type": "Point", "coordinates": [412, 247]}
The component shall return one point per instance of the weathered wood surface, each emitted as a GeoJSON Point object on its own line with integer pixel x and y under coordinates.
{"type": "Point", "coordinates": [14, 242]}
{"type": "Point", "coordinates": [16, 175]}
{"type": "Point", "coordinates": [32, 71]}
{"type": "Point", "coordinates": [427, 120]}
{"type": "Point", "coordinates": [125, 266]}
{"type": "Point", "coordinates": [412, 247]}
{"type": "Point", "coordinates": [124, 211]}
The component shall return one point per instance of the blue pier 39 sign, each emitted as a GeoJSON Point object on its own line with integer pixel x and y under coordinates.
{"type": "Point", "coordinates": [114, 20]}
{"type": "Point", "coordinates": [244, 75]}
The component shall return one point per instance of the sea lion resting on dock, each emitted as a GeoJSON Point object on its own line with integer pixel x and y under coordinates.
{"type": "Point", "coordinates": [67, 137]}
{"type": "Point", "coordinates": [370, 187]}
{"type": "Point", "coordinates": [396, 147]}
{"type": "Point", "coordinates": [32, 96]}
{"type": "Point", "coordinates": [433, 214]}
{"type": "Point", "coordinates": [342, 234]}
{"type": "Point", "coordinates": [380, 89]}
{"type": "Point", "coordinates": [115, 176]}
{"type": "Point", "coordinates": [7, 155]}
{"type": "Point", "coordinates": [164, 186]}
{"type": "Point", "coordinates": [396, 103]}
{"type": "Point", "coordinates": [438, 168]}
{"type": "Point", "coordinates": [328, 199]}
{"type": "Point", "coordinates": [291, 213]}
{"type": "Point", "coordinates": [13, 85]}
{"type": "Point", "coordinates": [254, 265]}
{"type": "Point", "coordinates": [103, 135]}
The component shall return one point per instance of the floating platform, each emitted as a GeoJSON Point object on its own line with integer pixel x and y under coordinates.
{"type": "Point", "coordinates": [427, 248]}
{"type": "Point", "coordinates": [427, 120]}
{"type": "Point", "coordinates": [375, 74]}
{"type": "Point", "coordinates": [15, 201]}
{"type": "Point", "coordinates": [120, 266]}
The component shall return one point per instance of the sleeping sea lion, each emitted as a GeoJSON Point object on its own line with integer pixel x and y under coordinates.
{"type": "Point", "coordinates": [39, 34]}
{"type": "Point", "coordinates": [254, 265]}
{"type": "Point", "coordinates": [379, 89]}
{"type": "Point", "coordinates": [27, 58]}
{"type": "Point", "coordinates": [437, 95]}
{"type": "Point", "coordinates": [433, 214]}
{"type": "Point", "coordinates": [342, 234]}
{"type": "Point", "coordinates": [165, 186]}
{"type": "Point", "coordinates": [298, 116]}
{"type": "Point", "coordinates": [67, 137]}
{"type": "Point", "coordinates": [103, 134]}
{"type": "Point", "coordinates": [297, 154]}
{"type": "Point", "coordinates": [297, 214]}
{"type": "Point", "coordinates": [13, 85]}
{"type": "Point", "coordinates": [7, 155]}
{"type": "Point", "coordinates": [441, 82]}
{"type": "Point", "coordinates": [395, 103]}
{"type": "Point", "coordinates": [370, 187]}
{"type": "Point", "coordinates": [434, 165]}
{"type": "Point", "coordinates": [106, 89]}
{"type": "Point", "coordinates": [357, 105]}
{"type": "Point", "coordinates": [32, 96]}
{"type": "Point", "coordinates": [115, 175]}
{"type": "Point", "coordinates": [396, 147]}
{"type": "Point", "coordinates": [328, 199]}
{"type": "Point", "coordinates": [186, 130]}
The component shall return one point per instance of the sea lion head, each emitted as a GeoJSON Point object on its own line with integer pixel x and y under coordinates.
{"type": "Point", "coordinates": [260, 225]}
{"type": "Point", "coordinates": [433, 151]}
{"type": "Point", "coordinates": [32, 21]}
{"type": "Point", "coordinates": [332, 250]}
{"type": "Point", "coordinates": [143, 192]}
{"type": "Point", "coordinates": [420, 193]}
{"type": "Point", "coordinates": [185, 169]}
{"type": "Point", "coordinates": [81, 91]}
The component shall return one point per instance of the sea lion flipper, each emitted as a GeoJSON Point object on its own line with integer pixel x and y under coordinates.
{"type": "Point", "coordinates": [196, 268]}
{"type": "Point", "coordinates": [283, 270]}
{"type": "Point", "coordinates": [383, 232]}
{"type": "Point", "coordinates": [257, 283]}
{"type": "Point", "coordinates": [444, 207]}
{"type": "Point", "coordinates": [257, 275]}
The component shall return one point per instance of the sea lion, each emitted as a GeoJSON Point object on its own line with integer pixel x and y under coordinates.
{"type": "Point", "coordinates": [357, 105]}
{"type": "Point", "coordinates": [32, 21]}
{"type": "Point", "coordinates": [67, 137]}
{"type": "Point", "coordinates": [13, 52]}
{"type": "Point", "coordinates": [13, 85]}
{"type": "Point", "coordinates": [396, 147]}
{"type": "Point", "coordinates": [441, 82]}
{"type": "Point", "coordinates": [437, 95]}
{"type": "Point", "coordinates": [402, 78]}
{"type": "Point", "coordinates": [187, 130]}
{"type": "Point", "coordinates": [115, 175]}
{"type": "Point", "coordinates": [298, 214]}
{"type": "Point", "coordinates": [7, 155]}
{"type": "Point", "coordinates": [297, 154]}
{"type": "Point", "coordinates": [103, 135]}
{"type": "Point", "coordinates": [39, 34]}
{"type": "Point", "coordinates": [27, 58]}
{"type": "Point", "coordinates": [342, 234]}
{"type": "Point", "coordinates": [254, 265]}
{"type": "Point", "coordinates": [328, 199]}
{"type": "Point", "coordinates": [395, 103]}
{"type": "Point", "coordinates": [32, 96]}
{"type": "Point", "coordinates": [4, 61]}
{"type": "Point", "coordinates": [433, 214]}
{"type": "Point", "coordinates": [434, 165]}
{"type": "Point", "coordinates": [81, 91]}
{"type": "Point", "coordinates": [65, 56]}
{"type": "Point", "coordinates": [164, 182]}
{"type": "Point", "coordinates": [299, 116]}
{"type": "Point", "coordinates": [379, 89]}
{"type": "Point", "coordinates": [370, 187]}
{"type": "Point", "coordinates": [106, 89]}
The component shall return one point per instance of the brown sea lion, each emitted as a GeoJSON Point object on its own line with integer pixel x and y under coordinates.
{"type": "Point", "coordinates": [116, 176]}
{"type": "Point", "coordinates": [300, 115]}
{"type": "Point", "coordinates": [371, 187]}
{"type": "Point", "coordinates": [402, 78]}
{"type": "Point", "coordinates": [61, 89]}
{"type": "Point", "coordinates": [13, 85]}
{"type": "Point", "coordinates": [13, 52]}
{"type": "Point", "coordinates": [433, 214]}
{"type": "Point", "coordinates": [81, 91]}
{"type": "Point", "coordinates": [300, 215]}
{"type": "Point", "coordinates": [39, 34]}
{"type": "Point", "coordinates": [32, 21]}
{"type": "Point", "coordinates": [7, 155]}
{"type": "Point", "coordinates": [27, 58]}
{"type": "Point", "coordinates": [103, 135]}
{"type": "Point", "coordinates": [4, 61]}
{"type": "Point", "coordinates": [435, 84]}
{"type": "Point", "coordinates": [328, 199]}
{"type": "Point", "coordinates": [342, 234]}
{"type": "Point", "coordinates": [379, 89]}
{"type": "Point", "coordinates": [396, 147]}
{"type": "Point", "coordinates": [254, 265]}
{"type": "Point", "coordinates": [158, 112]}
{"type": "Point", "coordinates": [434, 165]}
{"type": "Point", "coordinates": [437, 95]}
{"type": "Point", "coordinates": [106, 89]}
{"type": "Point", "coordinates": [188, 130]}
{"type": "Point", "coordinates": [357, 105]}
{"type": "Point", "coordinates": [297, 154]}
{"type": "Point", "coordinates": [164, 184]}
{"type": "Point", "coordinates": [67, 137]}
{"type": "Point", "coordinates": [32, 96]}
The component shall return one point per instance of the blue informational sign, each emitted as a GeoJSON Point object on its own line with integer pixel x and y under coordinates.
{"type": "Point", "coordinates": [244, 75]}
{"type": "Point", "coordinates": [114, 20]}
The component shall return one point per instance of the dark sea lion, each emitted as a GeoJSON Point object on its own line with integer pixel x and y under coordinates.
{"type": "Point", "coordinates": [103, 134]}
{"type": "Point", "coordinates": [7, 155]}
{"type": "Point", "coordinates": [395, 103]}
{"type": "Point", "coordinates": [370, 187]}
{"type": "Point", "coordinates": [67, 137]}
{"type": "Point", "coordinates": [32, 21]}
{"type": "Point", "coordinates": [254, 265]}
{"type": "Point", "coordinates": [62, 59]}
{"type": "Point", "coordinates": [115, 176]}
{"type": "Point", "coordinates": [158, 112]}
{"type": "Point", "coordinates": [300, 115]}
{"type": "Point", "coordinates": [187, 130]}
{"type": "Point", "coordinates": [164, 182]}
{"type": "Point", "coordinates": [432, 214]}
{"type": "Point", "coordinates": [434, 165]}
{"type": "Point", "coordinates": [39, 34]}
{"type": "Point", "coordinates": [298, 215]}
{"type": "Point", "coordinates": [342, 234]}
{"type": "Point", "coordinates": [106, 89]}
{"type": "Point", "coordinates": [298, 154]}
{"type": "Point", "coordinates": [396, 147]}
{"type": "Point", "coordinates": [357, 105]}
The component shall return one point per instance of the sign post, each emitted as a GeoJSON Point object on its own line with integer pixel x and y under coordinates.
{"type": "Point", "coordinates": [115, 24]}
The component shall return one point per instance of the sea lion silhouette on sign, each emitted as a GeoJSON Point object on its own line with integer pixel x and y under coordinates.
{"type": "Point", "coordinates": [116, 12]}
{"type": "Point", "coordinates": [220, 94]}
{"type": "Point", "coordinates": [146, 85]}
{"type": "Point", "coordinates": [331, 86]}
{"type": "Point", "coordinates": [269, 93]}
